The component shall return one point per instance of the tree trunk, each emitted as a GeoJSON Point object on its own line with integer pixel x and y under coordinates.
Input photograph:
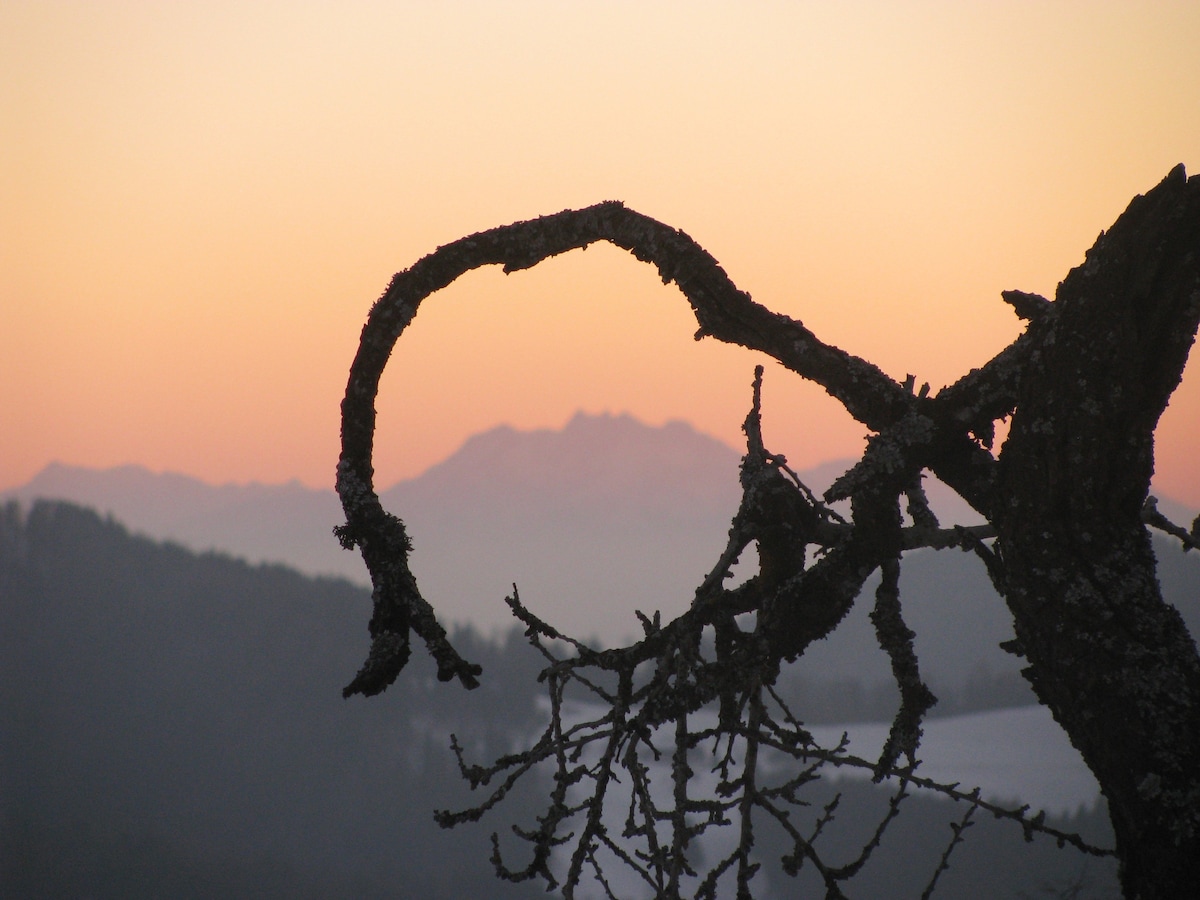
{"type": "Point", "coordinates": [1112, 661]}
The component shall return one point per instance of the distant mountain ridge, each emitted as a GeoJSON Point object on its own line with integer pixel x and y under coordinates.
{"type": "Point", "coordinates": [593, 458]}
{"type": "Point", "coordinates": [597, 488]}
{"type": "Point", "coordinates": [259, 522]}
{"type": "Point", "coordinates": [592, 521]}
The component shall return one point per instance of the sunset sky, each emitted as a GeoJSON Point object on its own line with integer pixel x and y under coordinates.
{"type": "Point", "coordinates": [200, 201]}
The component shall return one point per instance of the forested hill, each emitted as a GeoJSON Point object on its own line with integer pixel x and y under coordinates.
{"type": "Point", "coordinates": [173, 726]}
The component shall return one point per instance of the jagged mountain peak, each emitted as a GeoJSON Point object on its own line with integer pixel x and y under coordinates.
{"type": "Point", "coordinates": [591, 455]}
{"type": "Point", "coordinates": [606, 507]}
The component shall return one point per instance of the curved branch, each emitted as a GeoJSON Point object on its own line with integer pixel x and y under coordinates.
{"type": "Point", "coordinates": [721, 310]}
{"type": "Point", "coordinates": [914, 432]}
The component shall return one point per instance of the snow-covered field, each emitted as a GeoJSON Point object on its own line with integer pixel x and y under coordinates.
{"type": "Point", "coordinates": [1014, 755]}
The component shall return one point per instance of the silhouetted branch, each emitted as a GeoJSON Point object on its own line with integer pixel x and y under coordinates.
{"type": "Point", "coordinates": [915, 697]}
{"type": "Point", "coordinates": [1151, 516]}
{"type": "Point", "coordinates": [957, 828]}
{"type": "Point", "coordinates": [721, 310]}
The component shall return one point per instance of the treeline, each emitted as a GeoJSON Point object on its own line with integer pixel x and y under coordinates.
{"type": "Point", "coordinates": [848, 700]}
{"type": "Point", "coordinates": [173, 726]}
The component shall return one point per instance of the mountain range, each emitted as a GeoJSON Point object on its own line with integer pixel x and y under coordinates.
{"type": "Point", "coordinates": [591, 521]}
{"type": "Point", "coordinates": [572, 516]}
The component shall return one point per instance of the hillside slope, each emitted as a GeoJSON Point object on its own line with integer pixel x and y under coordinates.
{"type": "Point", "coordinates": [174, 727]}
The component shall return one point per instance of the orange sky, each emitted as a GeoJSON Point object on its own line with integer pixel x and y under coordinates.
{"type": "Point", "coordinates": [199, 202]}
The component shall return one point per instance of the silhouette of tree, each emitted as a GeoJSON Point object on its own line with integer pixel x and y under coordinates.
{"type": "Point", "coordinates": [1066, 504]}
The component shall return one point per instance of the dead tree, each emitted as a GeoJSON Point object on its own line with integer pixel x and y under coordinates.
{"type": "Point", "coordinates": [1066, 499]}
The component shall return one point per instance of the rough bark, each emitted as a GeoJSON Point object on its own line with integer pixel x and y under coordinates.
{"type": "Point", "coordinates": [1111, 660]}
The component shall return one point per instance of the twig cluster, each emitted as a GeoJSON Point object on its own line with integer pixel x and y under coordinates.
{"type": "Point", "coordinates": [699, 691]}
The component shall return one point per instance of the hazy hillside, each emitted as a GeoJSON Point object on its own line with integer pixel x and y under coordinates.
{"type": "Point", "coordinates": [175, 720]}
{"type": "Point", "coordinates": [174, 728]}
{"type": "Point", "coordinates": [566, 514]}
{"type": "Point", "coordinates": [283, 523]}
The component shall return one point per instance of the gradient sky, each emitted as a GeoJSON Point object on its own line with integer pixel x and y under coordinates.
{"type": "Point", "coordinates": [199, 203]}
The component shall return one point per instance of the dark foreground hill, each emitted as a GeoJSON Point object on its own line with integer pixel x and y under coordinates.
{"type": "Point", "coordinates": [173, 727]}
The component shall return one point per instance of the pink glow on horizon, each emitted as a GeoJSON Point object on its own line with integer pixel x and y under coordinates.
{"type": "Point", "coordinates": [198, 204]}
